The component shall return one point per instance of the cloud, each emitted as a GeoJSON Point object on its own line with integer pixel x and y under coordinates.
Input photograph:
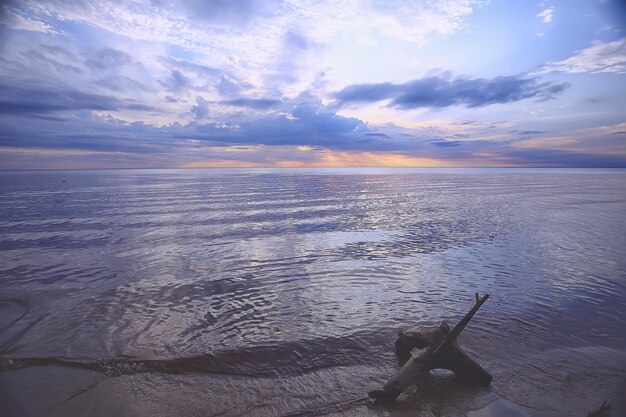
{"type": "Point", "coordinates": [564, 158]}
{"type": "Point", "coordinates": [309, 133]}
{"type": "Point", "coordinates": [20, 100]}
{"type": "Point", "coordinates": [546, 15]}
{"type": "Point", "coordinates": [444, 91]}
{"type": "Point", "coordinates": [176, 82]}
{"type": "Point", "coordinates": [198, 69]}
{"type": "Point", "coordinates": [245, 37]}
{"type": "Point", "coordinates": [201, 109]}
{"type": "Point", "coordinates": [295, 40]}
{"type": "Point", "coordinates": [305, 122]}
{"type": "Point", "coordinates": [16, 20]}
{"type": "Point", "coordinates": [253, 103]}
{"type": "Point", "coordinates": [257, 80]}
{"type": "Point", "coordinates": [600, 57]}
{"type": "Point", "coordinates": [185, 75]}
{"type": "Point", "coordinates": [120, 84]}
{"type": "Point", "coordinates": [229, 87]}
{"type": "Point", "coordinates": [446, 143]}
{"type": "Point", "coordinates": [225, 12]}
{"type": "Point", "coordinates": [410, 21]}
{"type": "Point", "coordinates": [292, 60]}
{"type": "Point", "coordinates": [106, 58]}
{"type": "Point", "coordinates": [48, 61]}
{"type": "Point", "coordinates": [527, 132]}
{"type": "Point", "coordinates": [367, 92]}
{"type": "Point", "coordinates": [51, 79]}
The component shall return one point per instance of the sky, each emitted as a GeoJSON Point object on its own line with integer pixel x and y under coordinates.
{"type": "Point", "coordinates": [89, 84]}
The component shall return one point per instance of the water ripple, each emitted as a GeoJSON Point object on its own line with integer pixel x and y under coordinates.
{"type": "Point", "coordinates": [283, 271]}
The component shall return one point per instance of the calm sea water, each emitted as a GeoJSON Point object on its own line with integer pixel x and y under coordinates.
{"type": "Point", "coordinates": [263, 292]}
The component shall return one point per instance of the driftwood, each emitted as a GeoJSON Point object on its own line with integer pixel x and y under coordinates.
{"type": "Point", "coordinates": [600, 411]}
{"type": "Point", "coordinates": [440, 350]}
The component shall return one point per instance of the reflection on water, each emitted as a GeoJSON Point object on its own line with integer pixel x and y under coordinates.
{"type": "Point", "coordinates": [282, 273]}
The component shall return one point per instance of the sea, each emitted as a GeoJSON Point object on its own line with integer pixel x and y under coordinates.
{"type": "Point", "coordinates": [268, 292]}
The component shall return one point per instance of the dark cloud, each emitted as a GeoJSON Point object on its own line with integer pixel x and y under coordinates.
{"type": "Point", "coordinates": [191, 67]}
{"type": "Point", "coordinates": [367, 92]}
{"type": "Point", "coordinates": [528, 132]}
{"type": "Point", "coordinates": [304, 122]}
{"type": "Point", "coordinates": [57, 50]}
{"type": "Point", "coordinates": [228, 87]}
{"type": "Point", "coordinates": [129, 104]}
{"type": "Point", "coordinates": [562, 158]}
{"type": "Point", "coordinates": [201, 109]}
{"type": "Point", "coordinates": [308, 123]}
{"type": "Point", "coordinates": [224, 82]}
{"type": "Point", "coordinates": [445, 143]}
{"type": "Point", "coordinates": [322, 120]}
{"type": "Point", "coordinates": [42, 99]}
{"type": "Point", "coordinates": [444, 91]}
{"type": "Point", "coordinates": [253, 103]}
{"type": "Point", "coordinates": [47, 58]}
{"type": "Point", "coordinates": [106, 58]}
{"type": "Point", "coordinates": [120, 83]}
{"type": "Point", "coordinates": [48, 81]}
{"type": "Point", "coordinates": [176, 82]}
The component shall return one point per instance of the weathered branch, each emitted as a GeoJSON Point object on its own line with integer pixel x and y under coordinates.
{"type": "Point", "coordinates": [461, 325]}
{"type": "Point", "coordinates": [441, 351]}
{"type": "Point", "coordinates": [604, 407]}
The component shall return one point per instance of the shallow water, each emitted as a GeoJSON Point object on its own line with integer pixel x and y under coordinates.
{"type": "Point", "coordinates": [277, 290]}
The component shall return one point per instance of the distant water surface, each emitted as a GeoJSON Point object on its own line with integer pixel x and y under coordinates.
{"type": "Point", "coordinates": [278, 275]}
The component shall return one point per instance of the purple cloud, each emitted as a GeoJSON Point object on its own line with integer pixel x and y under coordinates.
{"type": "Point", "coordinates": [443, 91]}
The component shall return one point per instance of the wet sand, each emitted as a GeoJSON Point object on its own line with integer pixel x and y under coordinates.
{"type": "Point", "coordinates": [529, 381]}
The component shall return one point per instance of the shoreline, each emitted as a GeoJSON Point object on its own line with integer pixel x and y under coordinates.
{"type": "Point", "coordinates": [528, 382]}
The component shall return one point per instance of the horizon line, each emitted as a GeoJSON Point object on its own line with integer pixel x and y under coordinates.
{"type": "Point", "coordinates": [311, 167]}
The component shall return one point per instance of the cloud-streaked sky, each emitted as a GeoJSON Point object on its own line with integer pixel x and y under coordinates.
{"type": "Point", "coordinates": [193, 83]}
